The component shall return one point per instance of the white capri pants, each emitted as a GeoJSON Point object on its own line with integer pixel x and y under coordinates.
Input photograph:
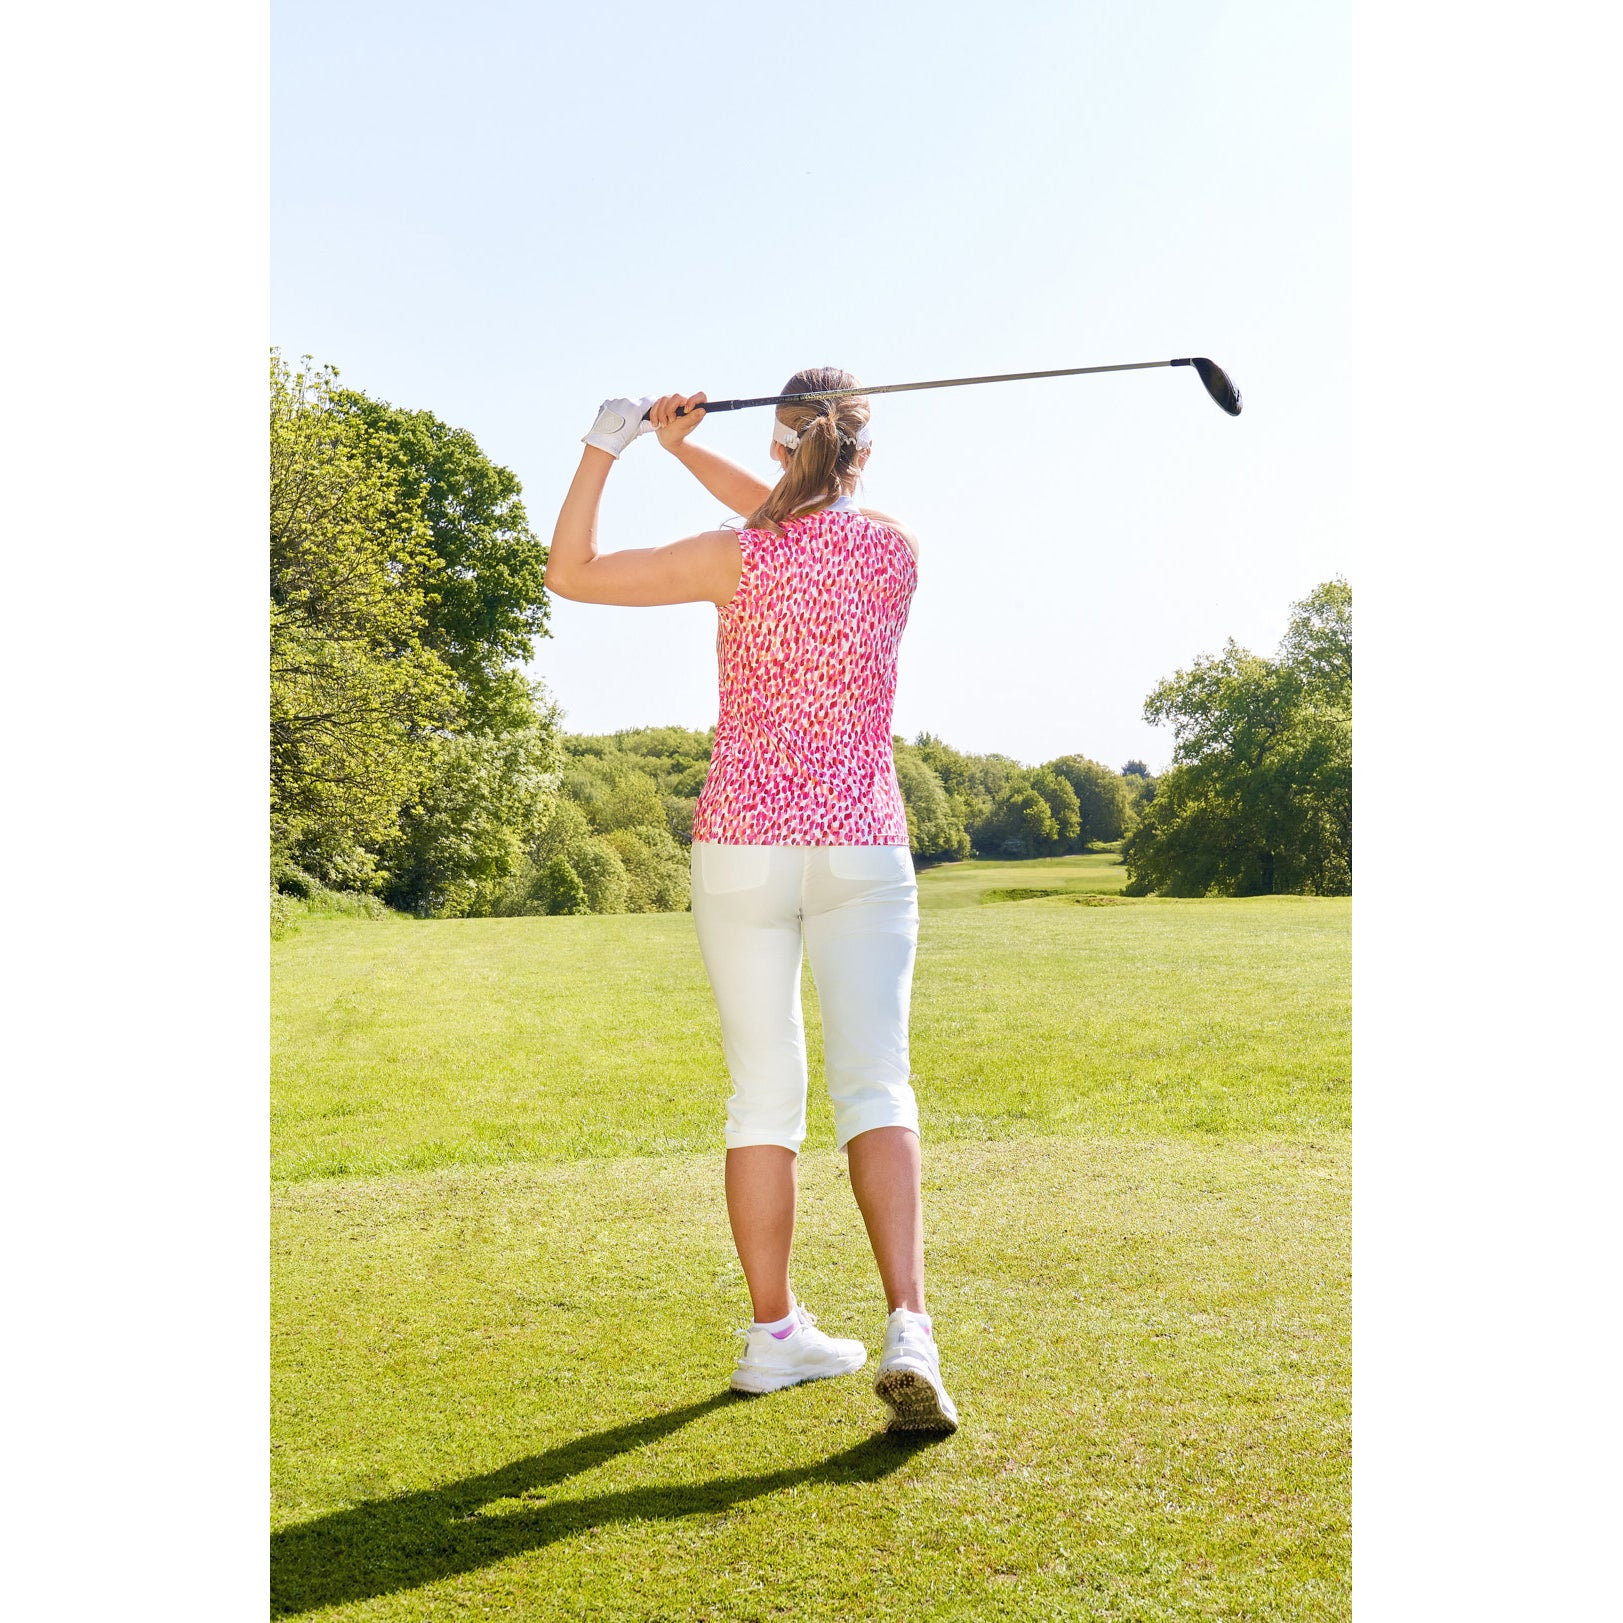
{"type": "Point", "coordinates": [857, 909]}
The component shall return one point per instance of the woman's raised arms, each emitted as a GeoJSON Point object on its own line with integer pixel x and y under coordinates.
{"type": "Point", "coordinates": [740, 489]}
{"type": "Point", "coordinates": [702, 569]}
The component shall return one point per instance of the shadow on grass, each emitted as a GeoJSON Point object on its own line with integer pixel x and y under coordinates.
{"type": "Point", "coordinates": [414, 1539]}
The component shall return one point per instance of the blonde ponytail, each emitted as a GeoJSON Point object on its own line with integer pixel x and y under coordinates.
{"type": "Point", "coordinates": [828, 448]}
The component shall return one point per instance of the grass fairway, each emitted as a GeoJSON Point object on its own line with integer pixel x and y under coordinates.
{"type": "Point", "coordinates": [403, 1046]}
{"type": "Point", "coordinates": [970, 884]}
{"type": "Point", "coordinates": [504, 1288]}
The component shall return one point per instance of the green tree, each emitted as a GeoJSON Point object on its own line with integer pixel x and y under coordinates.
{"type": "Point", "coordinates": [1139, 788]}
{"type": "Point", "coordinates": [1063, 806]}
{"type": "Point", "coordinates": [676, 758]}
{"type": "Point", "coordinates": [679, 810]}
{"type": "Point", "coordinates": [488, 603]}
{"type": "Point", "coordinates": [566, 837]}
{"type": "Point", "coordinates": [1102, 799]}
{"type": "Point", "coordinates": [464, 845]}
{"type": "Point", "coordinates": [356, 693]}
{"type": "Point", "coordinates": [1317, 646]}
{"type": "Point", "coordinates": [603, 873]}
{"type": "Point", "coordinates": [1259, 797]}
{"type": "Point", "coordinates": [639, 776]}
{"type": "Point", "coordinates": [935, 832]}
{"type": "Point", "coordinates": [974, 783]}
{"type": "Point", "coordinates": [1021, 825]}
{"type": "Point", "coordinates": [631, 799]}
{"type": "Point", "coordinates": [562, 828]}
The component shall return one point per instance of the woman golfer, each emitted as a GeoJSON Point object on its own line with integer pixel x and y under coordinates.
{"type": "Point", "coordinates": [800, 836]}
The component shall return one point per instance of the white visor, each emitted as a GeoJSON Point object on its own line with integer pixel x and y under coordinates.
{"type": "Point", "coordinates": [783, 434]}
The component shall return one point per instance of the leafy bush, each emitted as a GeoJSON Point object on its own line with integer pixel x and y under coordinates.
{"type": "Point", "coordinates": [561, 890]}
{"type": "Point", "coordinates": [468, 839]}
{"type": "Point", "coordinates": [284, 910]}
{"type": "Point", "coordinates": [287, 911]}
{"type": "Point", "coordinates": [601, 871]}
{"type": "Point", "coordinates": [657, 872]}
{"type": "Point", "coordinates": [289, 879]}
{"type": "Point", "coordinates": [1083, 804]}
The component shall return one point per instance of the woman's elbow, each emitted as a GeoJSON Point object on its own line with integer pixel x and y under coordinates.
{"type": "Point", "coordinates": [552, 579]}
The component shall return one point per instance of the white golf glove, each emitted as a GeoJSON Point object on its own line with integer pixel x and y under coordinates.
{"type": "Point", "coordinates": [618, 423]}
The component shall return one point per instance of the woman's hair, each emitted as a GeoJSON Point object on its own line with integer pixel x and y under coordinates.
{"type": "Point", "coordinates": [828, 448]}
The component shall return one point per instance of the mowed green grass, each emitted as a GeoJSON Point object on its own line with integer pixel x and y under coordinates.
{"type": "Point", "coordinates": [504, 1288]}
{"type": "Point", "coordinates": [501, 1390]}
{"type": "Point", "coordinates": [967, 884]}
{"type": "Point", "coordinates": [402, 1046]}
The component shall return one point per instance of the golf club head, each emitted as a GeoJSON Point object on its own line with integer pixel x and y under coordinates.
{"type": "Point", "coordinates": [1219, 385]}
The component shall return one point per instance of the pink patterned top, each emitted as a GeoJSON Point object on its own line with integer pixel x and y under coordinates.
{"type": "Point", "coordinates": [806, 656]}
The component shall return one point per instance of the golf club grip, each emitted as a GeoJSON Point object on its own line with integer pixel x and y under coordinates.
{"type": "Point", "coordinates": [717, 405]}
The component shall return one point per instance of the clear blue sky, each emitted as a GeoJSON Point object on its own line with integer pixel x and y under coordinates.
{"type": "Point", "coordinates": [505, 213]}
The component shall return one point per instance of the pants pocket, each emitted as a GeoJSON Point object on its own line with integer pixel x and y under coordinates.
{"type": "Point", "coordinates": [870, 862]}
{"type": "Point", "coordinates": [726, 868]}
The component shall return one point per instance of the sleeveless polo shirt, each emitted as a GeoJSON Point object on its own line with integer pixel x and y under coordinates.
{"type": "Point", "coordinates": [806, 657]}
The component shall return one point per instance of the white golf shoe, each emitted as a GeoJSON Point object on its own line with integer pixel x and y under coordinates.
{"type": "Point", "coordinates": [909, 1378]}
{"type": "Point", "coordinates": [769, 1363]}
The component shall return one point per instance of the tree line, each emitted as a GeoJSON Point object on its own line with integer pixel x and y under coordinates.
{"type": "Point", "coordinates": [414, 765]}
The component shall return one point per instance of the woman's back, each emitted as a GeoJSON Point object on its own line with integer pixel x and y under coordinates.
{"type": "Point", "coordinates": [806, 657]}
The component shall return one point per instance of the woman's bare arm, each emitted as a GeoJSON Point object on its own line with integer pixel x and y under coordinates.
{"type": "Point", "coordinates": [739, 489]}
{"type": "Point", "coordinates": [736, 488]}
{"type": "Point", "coordinates": [702, 569]}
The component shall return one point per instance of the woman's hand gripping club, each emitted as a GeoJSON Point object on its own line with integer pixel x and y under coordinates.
{"type": "Point", "coordinates": [618, 423]}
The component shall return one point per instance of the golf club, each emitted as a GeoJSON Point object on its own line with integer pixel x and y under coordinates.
{"type": "Point", "coordinates": [1218, 385]}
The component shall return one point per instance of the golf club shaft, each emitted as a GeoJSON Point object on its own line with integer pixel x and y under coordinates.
{"type": "Point", "coordinates": [939, 383]}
